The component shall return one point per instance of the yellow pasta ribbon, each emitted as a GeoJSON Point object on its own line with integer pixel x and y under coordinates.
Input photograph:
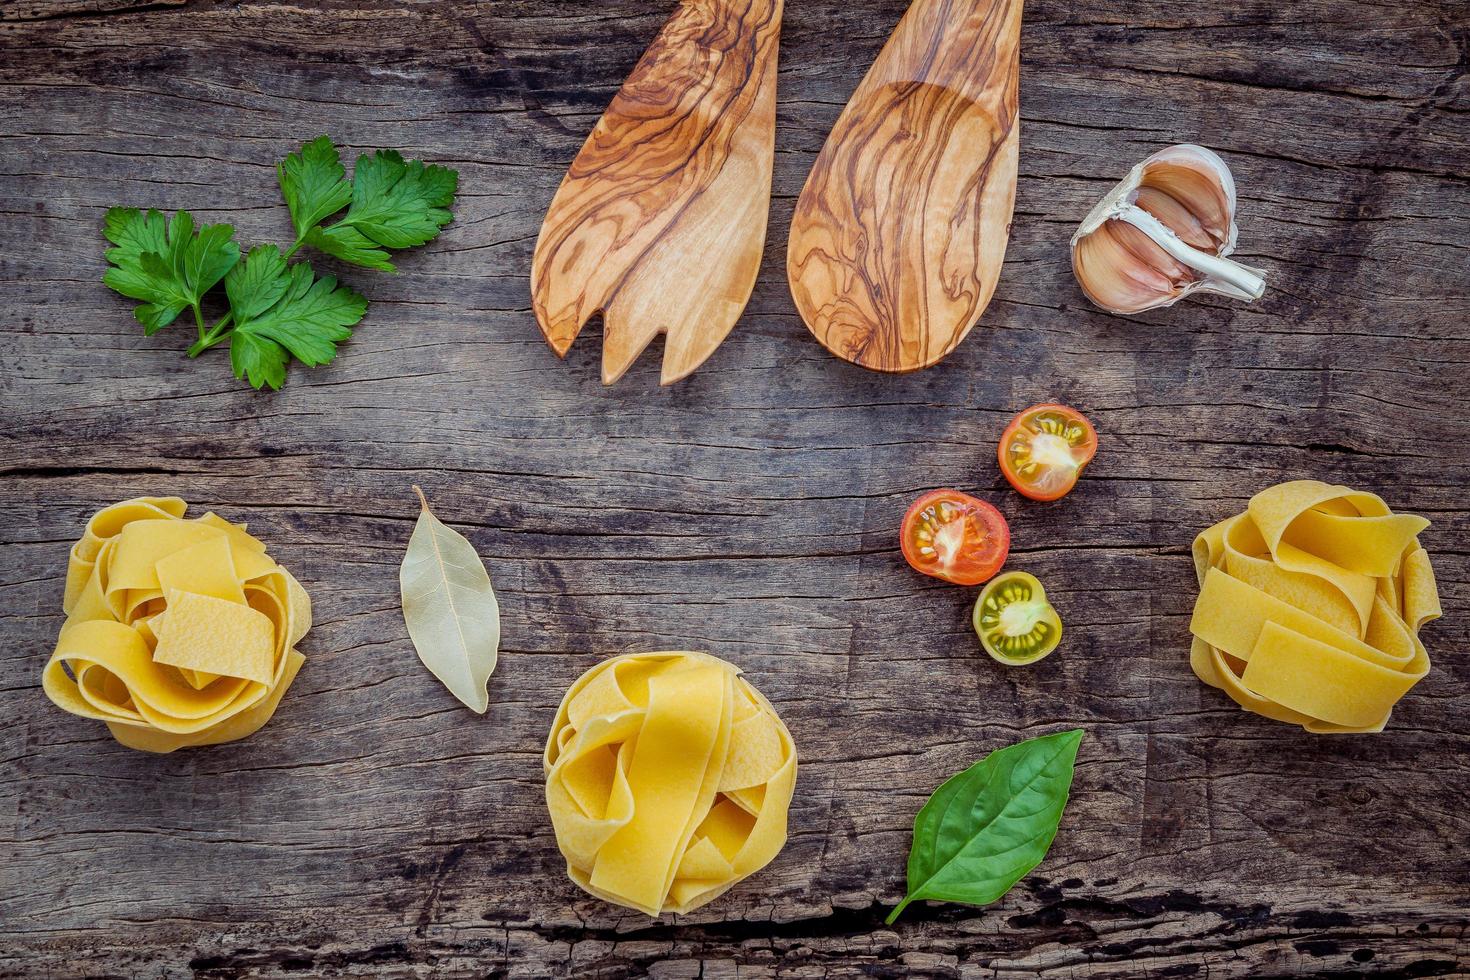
{"type": "Point", "coordinates": [1310, 607]}
{"type": "Point", "coordinates": [668, 778]}
{"type": "Point", "coordinates": [178, 632]}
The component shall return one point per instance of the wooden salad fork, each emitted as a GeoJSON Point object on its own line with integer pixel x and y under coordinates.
{"type": "Point", "coordinates": [660, 222]}
{"type": "Point", "coordinates": [899, 235]}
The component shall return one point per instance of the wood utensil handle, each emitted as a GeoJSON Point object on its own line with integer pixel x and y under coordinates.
{"type": "Point", "coordinates": [899, 235]}
{"type": "Point", "coordinates": [661, 220]}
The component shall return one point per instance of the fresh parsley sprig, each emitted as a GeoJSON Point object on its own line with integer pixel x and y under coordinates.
{"type": "Point", "coordinates": [279, 310]}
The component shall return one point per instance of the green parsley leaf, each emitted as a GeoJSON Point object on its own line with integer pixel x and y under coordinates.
{"type": "Point", "coordinates": [395, 205]}
{"type": "Point", "coordinates": [311, 317]}
{"type": "Point", "coordinates": [134, 233]}
{"type": "Point", "coordinates": [314, 184]}
{"type": "Point", "coordinates": [204, 260]}
{"type": "Point", "coordinates": [256, 284]}
{"type": "Point", "coordinates": [307, 321]}
{"type": "Point", "coordinates": [168, 267]}
{"type": "Point", "coordinates": [261, 360]}
{"type": "Point", "coordinates": [350, 245]}
{"type": "Point", "coordinates": [278, 311]}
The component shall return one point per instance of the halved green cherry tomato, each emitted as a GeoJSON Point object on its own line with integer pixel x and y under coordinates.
{"type": "Point", "coordinates": [1015, 622]}
{"type": "Point", "coordinates": [955, 537]}
{"type": "Point", "coordinates": [1045, 449]}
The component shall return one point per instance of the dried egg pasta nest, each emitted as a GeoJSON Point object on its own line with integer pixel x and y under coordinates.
{"type": "Point", "coordinates": [178, 632]}
{"type": "Point", "coordinates": [668, 778]}
{"type": "Point", "coordinates": [1310, 607]}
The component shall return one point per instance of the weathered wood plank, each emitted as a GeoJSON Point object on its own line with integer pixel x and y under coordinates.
{"type": "Point", "coordinates": [376, 827]}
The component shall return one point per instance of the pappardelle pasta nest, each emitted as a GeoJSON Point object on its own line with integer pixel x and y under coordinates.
{"type": "Point", "coordinates": [178, 632]}
{"type": "Point", "coordinates": [668, 778]}
{"type": "Point", "coordinates": [1310, 607]}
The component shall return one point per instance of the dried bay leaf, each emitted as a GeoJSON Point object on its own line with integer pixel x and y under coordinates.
{"type": "Point", "coordinates": [450, 608]}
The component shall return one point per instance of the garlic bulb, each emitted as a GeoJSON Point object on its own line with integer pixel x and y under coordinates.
{"type": "Point", "coordinates": [1164, 232]}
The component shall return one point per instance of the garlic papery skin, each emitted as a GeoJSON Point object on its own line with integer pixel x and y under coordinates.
{"type": "Point", "coordinates": [1163, 232]}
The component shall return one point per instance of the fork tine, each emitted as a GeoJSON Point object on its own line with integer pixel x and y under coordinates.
{"type": "Point", "coordinates": [661, 219]}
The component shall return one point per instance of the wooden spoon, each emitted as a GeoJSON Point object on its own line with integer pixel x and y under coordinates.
{"type": "Point", "coordinates": [899, 235]}
{"type": "Point", "coordinates": [660, 223]}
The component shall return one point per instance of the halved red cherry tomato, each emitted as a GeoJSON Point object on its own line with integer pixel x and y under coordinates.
{"type": "Point", "coordinates": [1045, 449]}
{"type": "Point", "coordinates": [955, 537]}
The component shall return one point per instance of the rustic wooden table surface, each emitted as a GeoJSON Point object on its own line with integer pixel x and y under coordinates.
{"type": "Point", "coordinates": [377, 827]}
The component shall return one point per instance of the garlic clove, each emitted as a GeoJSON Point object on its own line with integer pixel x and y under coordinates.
{"type": "Point", "coordinates": [1121, 282]}
{"type": "Point", "coordinates": [1167, 271]}
{"type": "Point", "coordinates": [1197, 178]}
{"type": "Point", "coordinates": [1163, 232]}
{"type": "Point", "coordinates": [1178, 217]}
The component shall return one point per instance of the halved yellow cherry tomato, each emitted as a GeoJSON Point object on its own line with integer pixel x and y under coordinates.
{"type": "Point", "coordinates": [955, 537]}
{"type": "Point", "coordinates": [1015, 622]}
{"type": "Point", "coordinates": [1045, 449]}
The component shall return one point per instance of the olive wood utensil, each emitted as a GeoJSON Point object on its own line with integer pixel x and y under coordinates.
{"type": "Point", "coordinates": [661, 220]}
{"type": "Point", "coordinates": [900, 232]}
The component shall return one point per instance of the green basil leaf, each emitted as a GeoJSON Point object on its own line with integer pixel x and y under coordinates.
{"type": "Point", "coordinates": [986, 828]}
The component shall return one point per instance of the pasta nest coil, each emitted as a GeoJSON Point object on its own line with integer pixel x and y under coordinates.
{"type": "Point", "coordinates": [1310, 607]}
{"type": "Point", "coordinates": [178, 632]}
{"type": "Point", "coordinates": [668, 778]}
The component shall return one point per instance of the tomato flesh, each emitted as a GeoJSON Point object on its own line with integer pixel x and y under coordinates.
{"type": "Point", "coordinates": [1045, 449]}
{"type": "Point", "coordinates": [955, 537]}
{"type": "Point", "coordinates": [1015, 622]}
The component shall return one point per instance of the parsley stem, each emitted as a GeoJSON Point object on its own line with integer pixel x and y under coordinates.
{"type": "Point", "coordinates": [216, 335]}
{"type": "Point", "coordinates": [198, 318]}
{"type": "Point", "coordinates": [294, 249]}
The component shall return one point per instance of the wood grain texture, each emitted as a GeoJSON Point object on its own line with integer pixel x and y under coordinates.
{"type": "Point", "coordinates": [900, 233]}
{"type": "Point", "coordinates": [661, 221]}
{"type": "Point", "coordinates": [378, 828]}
